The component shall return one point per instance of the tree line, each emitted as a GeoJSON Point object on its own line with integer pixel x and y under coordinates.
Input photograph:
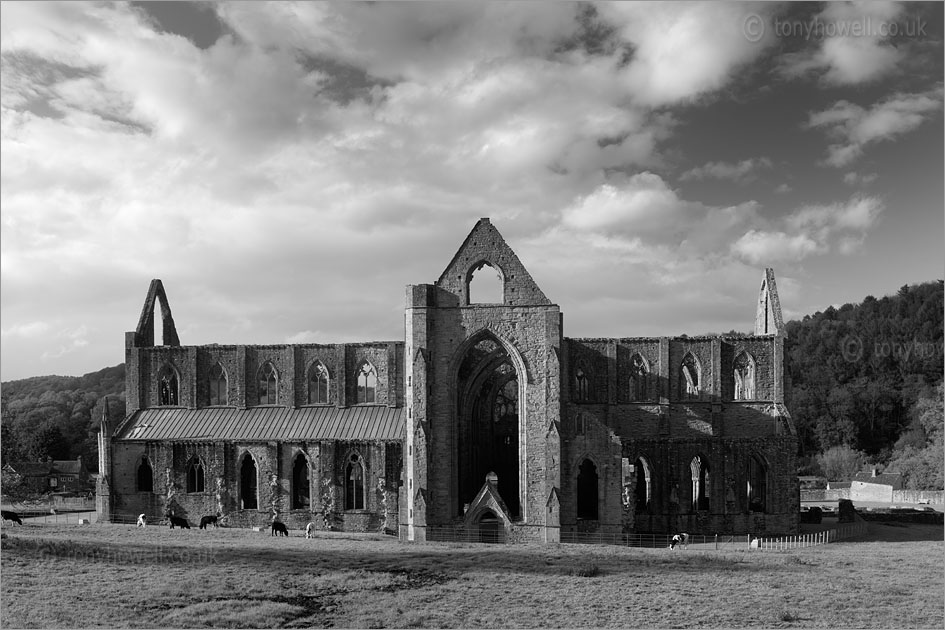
{"type": "Point", "coordinates": [57, 417]}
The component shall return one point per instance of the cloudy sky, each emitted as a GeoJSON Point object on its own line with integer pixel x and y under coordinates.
{"type": "Point", "coordinates": [286, 169]}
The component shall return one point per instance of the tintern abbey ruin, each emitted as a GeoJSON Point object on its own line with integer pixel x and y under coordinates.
{"type": "Point", "coordinates": [485, 417]}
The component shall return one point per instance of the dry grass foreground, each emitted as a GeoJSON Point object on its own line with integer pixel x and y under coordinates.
{"type": "Point", "coordinates": [117, 576]}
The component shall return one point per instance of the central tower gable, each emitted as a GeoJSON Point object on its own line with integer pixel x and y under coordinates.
{"type": "Point", "coordinates": [485, 246]}
{"type": "Point", "coordinates": [487, 393]}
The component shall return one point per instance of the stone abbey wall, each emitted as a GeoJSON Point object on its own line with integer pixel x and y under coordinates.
{"type": "Point", "coordinates": [622, 410]}
{"type": "Point", "coordinates": [242, 364]}
{"type": "Point", "coordinates": [274, 478]}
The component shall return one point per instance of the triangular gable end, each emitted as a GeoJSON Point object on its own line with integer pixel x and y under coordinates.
{"type": "Point", "coordinates": [554, 501]}
{"type": "Point", "coordinates": [145, 331]}
{"type": "Point", "coordinates": [768, 320]}
{"type": "Point", "coordinates": [487, 499]}
{"type": "Point", "coordinates": [420, 498]}
{"type": "Point", "coordinates": [485, 244]}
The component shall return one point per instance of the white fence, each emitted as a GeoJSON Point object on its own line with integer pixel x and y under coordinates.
{"type": "Point", "coordinates": [784, 543]}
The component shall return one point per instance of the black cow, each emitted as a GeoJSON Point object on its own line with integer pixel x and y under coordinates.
{"type": "Point", "coordinates": [208, 520]}
{"type": "Point", "coordinates": [11, 516]}
{"type": "Point", "coordinates": [180, 522]}
{"type": "Point", "coordinates": [279, 529]}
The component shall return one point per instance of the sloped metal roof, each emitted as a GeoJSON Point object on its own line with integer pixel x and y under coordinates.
{"type": "Point", "coordinates": [367, 423]}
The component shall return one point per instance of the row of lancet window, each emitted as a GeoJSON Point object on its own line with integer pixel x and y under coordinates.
{"type": "Point", "coordinates": [354, 477]}
{"type": "Point", "coordinates": [268, 385]}
{"type": "Point", "coordinates": [641, 389]}
{"type": "Point", "coordinates": [588, 486]}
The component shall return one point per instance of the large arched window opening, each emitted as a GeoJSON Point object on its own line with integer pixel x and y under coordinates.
{"type": "Point", "coordinates": [217, 386]}
{"type": "Point", "coordinates": [268, 384]}
{"type": "Point", "coordinates": [300, 483]}
{"type": "Point", "coordinates": [757, 485]}
{"type": "Point", "coordinates": [639, 377]}
{"type": "Point", "coordinates": [700, 484]}
{"type": "Point", "coordinates": [145, 476]}
{"type": "Point", "coordinates": [168, 386]}
{"type": "Point", "coordinates": [489, 423]}
{"type": "Point", "coordinates": [689, 378]}
{"type": "Point", "coordinates": [367, 384]}
{"type": "Point", "coordinates": [744, 368]}
{"type": "Point", "coordinates": [587, 491]}
{"type": "Point", "coordinates": [354, 483]}
{"type": "Point", "coordinates": [195, 476]}
{"type": "Point", "coordinates": [581, 385]}
{"type": "Point", "coordinates": [318, 384]}
{"type": "Point", "coordinates": [486, 285]}
{"type": "Point", "coordinates": [248, 483]}
{"type": "Point", "coordinates": [644, 486]}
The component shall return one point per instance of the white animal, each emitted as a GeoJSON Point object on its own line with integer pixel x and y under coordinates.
{"type": "Point", "coordinates": [310, 530]}
{"type": "Point", "coordinates": [141, 521]}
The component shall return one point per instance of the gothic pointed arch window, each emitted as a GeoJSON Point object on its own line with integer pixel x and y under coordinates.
{"type": "Point", "coordinates": [354, 483]}
{"type": "Point", "coordinates": [587, 491]}
{"type": "Point", "coordinates": [145, 475]}
{"type": "Point", "coordinates": [581, 385]}
{"type": "Point", "coordinates": [195, 476]}
{"type": "Point", "coordinates": [168, 386]}
{"type": "Point", "coordinates": [639, 379]}
{"type": "Point", "coordinates": [757, 482]}
{"type": "Point", "coordinates": [318, 384]}
{"type": "Point", "coordinates": [689, 377]}
{"type": "Point", "coordinates": [217, 386]}
{"type": "Point", "coordinates": [701, 491]}
{"type": "Point", "coordinates": [300, 483]}
{"type": "Point", "coordinates": [268, 384]}
{"type": "Point", "coordinates": [367, 384]}
{"type": "Point", "coordinates": [744, 368]}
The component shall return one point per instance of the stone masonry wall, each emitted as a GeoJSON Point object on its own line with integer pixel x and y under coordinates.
{"type": "Point", "coordinates": [242, 364]}
{"type": "Point", "coordinates": [274, 461]}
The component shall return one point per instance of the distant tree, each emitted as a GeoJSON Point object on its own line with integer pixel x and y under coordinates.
{"type": "Point", "coordinates": [920, 461]}
{"type": "Point", "coordinates": [45, 442]}
{"type": "Point", "coordinates": [840, 463]}
{"type": "Point", "coordinates": [13, 487]}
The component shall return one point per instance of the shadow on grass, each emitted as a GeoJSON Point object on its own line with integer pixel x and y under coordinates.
{"type": "Point", "coordinates": [882, 531]}
{"type": "Point", "coordinates": [420, 563]}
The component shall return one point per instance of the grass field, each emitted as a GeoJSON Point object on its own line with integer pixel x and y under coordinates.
{"type": "Point", "coordinates": [117, 576]}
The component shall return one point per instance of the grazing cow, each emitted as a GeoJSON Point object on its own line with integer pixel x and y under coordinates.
{"type": "Point", "coordinates": [13, 517]}
{"type": "Point", "coordinates": [279, 529]}
{"type": "Point", "coordinates": [180, 522]}
{"type": "Point", "coordinates": [310, 530]}
{"type": "Point", "coordinates": [208, 520]}
{"type": "Point", "coordinates": [141, 521]}
{"type": "Point", "coordinates": [675, 541]}
{"type": "Point", "coordinates": [684, 539]}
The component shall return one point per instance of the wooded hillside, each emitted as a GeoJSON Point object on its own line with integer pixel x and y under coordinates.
{"type": "Point", "coordinates": [865, 375]}
{"type": "Point", "coordinates": [57, 416]}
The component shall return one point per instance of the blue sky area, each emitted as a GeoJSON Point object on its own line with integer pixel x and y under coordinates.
{"type": "Point", "coordinates": [286, 169]}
